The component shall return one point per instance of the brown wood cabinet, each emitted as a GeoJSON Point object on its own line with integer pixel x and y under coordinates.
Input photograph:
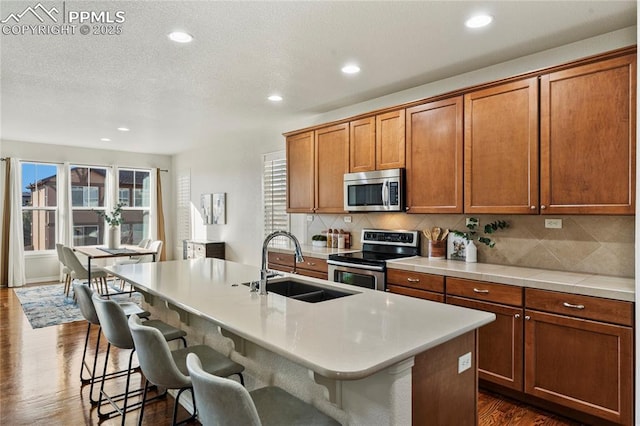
{"type": "Point", "coordinates": [313, 267]}
{"type": "Point", "coordinates": [434, 157]}
{"type": "Point", "coordinates": [300, 173]}
{"type": "Point", "coordinates": [579, 363]}
{"type": "Point", "coordinates": [193, 249]}
{"type": "Point", "coordinates": [390, 140]}
{"type": "Point", "coordinates": [500, 343]}
{"type": "Point", "coordinates": [284, 262]}
{"type": "Point", "coordinates": [362, 145]}
{"type": "Point", "coordinates": [588, 138]}
{"type": "Point", "coordinates": [331, 163]}
{"type": "Point", "coordinates": [501, 149]}
{"type": "Point", "coordinates": [416, 284]}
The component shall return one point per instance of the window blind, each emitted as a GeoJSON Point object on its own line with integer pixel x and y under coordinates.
{"type": "Point", "coordinates": [275, 192]}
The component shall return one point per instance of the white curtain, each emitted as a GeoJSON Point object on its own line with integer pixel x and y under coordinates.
{"type": "Point", "coordinates": [16, 271]}
{"type": "Point", "coordinates": [153, 201]}
{"type": "Point", "coordinates": [65, 213]}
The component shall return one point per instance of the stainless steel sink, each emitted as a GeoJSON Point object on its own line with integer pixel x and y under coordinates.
{"type": "Point", "coordinates": [304, 291]}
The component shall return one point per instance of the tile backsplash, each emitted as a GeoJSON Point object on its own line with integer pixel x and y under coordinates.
{"type": "Point", "coordinates": [593, 244]}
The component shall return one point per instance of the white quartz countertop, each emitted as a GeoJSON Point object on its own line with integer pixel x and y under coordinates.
{"type": "Point", "coordinates": [346, 338]}
{"type": "Point", "coordinates": [319, 252]}
{"type": "Point", "coordinates": [569, 282]}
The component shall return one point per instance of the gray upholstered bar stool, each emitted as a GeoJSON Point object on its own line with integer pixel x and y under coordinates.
{"type": "Point", "coordinates": [113, 322]}
{"type": "Point", "coordinates": [83, 294]}
{"type": "Point", "coordinates": [224, 402]}
{"type": "Point", "coordinates": [168, 369]}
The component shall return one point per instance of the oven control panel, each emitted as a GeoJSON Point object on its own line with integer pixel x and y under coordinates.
{"type": "Point", "coordinates": [396, 238]}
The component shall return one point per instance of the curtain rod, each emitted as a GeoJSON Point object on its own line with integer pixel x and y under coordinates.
{"type": "Point", "coordinates": [77, 164]}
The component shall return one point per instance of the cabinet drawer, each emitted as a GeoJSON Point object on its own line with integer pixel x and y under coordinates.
{"type": "Point", "coordinates": [481, 290]}
{"type": "Point", "coordinates": [417, 280]}
{"type": "Point", "coordinates": [313, 264]}
{"type": "Point", "coordinates": [281, 261]}
{"type": "Point", "coordinates": [420, 294]}
{"type": "Point", "coordinates": [576, 305]}
{"type": "Point", "coordinates": [312, 274]}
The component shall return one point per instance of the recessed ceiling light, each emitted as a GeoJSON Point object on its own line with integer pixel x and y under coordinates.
{"type": "Point", "coordinates": [478, 21]}
{"type": "Point", "coordinates": [275, 98]}
{"type": "Point", "coordinates": [180, 37]}
{"type": "Point", "coordinates": [123, 129]}
{"type": "Point", "coordinates": [351, 69]}
{"type": "Point", "coordinates": [105, 139]}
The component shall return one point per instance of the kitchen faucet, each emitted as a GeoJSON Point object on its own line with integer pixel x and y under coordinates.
{"type": "Point", "coordinates": [263, 269]}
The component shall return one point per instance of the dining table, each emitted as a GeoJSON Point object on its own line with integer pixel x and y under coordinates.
{"type": "Point", "coordinates": [99, 252]}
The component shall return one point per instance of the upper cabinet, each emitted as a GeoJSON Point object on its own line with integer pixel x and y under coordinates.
{"type": "Point", "coordinates": [501, 149]}
{"type": "Point", "coordinates": [300, 173]}
{"type": "Point", "coordinates": [362, 145]}
{"type": "Point", "coordinates": [331, 163]}
{"type": "Point", "coordinates": [390, 146]}
{"type": "Point", "coordinates": [587, 138]}
{"type": "Point", "coordinates": [434, 157]}
{"type": "Point", "coordinates": [316, 164]}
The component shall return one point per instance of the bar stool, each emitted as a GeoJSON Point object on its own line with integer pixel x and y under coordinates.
{"type": "Point", "coordinates": [167, 369]}
{"type": "Point", "coordinates": [224, 402]}
{"type": "Point", "coordinates": [83, 295]}
{"type": "Point", "coordinates": [113, 322]}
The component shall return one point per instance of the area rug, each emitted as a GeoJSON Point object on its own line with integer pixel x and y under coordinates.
{"type": "Point", "coordinates": [47, 305]}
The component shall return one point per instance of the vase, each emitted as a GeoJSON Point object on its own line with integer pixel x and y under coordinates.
{"type": "Point", "coordinates": [114, 237]}
{"type": "Point", "coordinates": [471, 253]}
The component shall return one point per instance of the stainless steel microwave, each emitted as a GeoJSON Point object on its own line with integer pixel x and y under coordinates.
{"type": "Point", "coordinates": [377, 191]}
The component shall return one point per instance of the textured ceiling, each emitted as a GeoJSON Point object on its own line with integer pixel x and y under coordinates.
{"type": "Point", "coordinates": [76, 89]}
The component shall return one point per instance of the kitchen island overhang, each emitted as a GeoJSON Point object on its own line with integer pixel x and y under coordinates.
{"type": "Point", "coordinates": [351, 338]}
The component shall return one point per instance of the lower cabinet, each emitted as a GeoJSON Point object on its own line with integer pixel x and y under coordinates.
{"type": "Point", "coordinates": [416, 284]}
{"type": "Point", "coordinates": [313, 267]}
{"type": "Point", "coordinates": [577, 361]}
{"type": "Point", "coordinates": [192, 249]}
{"type": "Point", "coordinates": [283, 262]}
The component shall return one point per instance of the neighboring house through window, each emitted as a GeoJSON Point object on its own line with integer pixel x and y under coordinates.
{"type": "Point", "coordinates": [134, 191]}
{"type": "Point", "coordinates": [39, 205]}
{"type": "Point", "coordinates": [88, 187]}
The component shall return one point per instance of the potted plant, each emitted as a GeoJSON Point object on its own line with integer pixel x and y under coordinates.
{"type": "Point", "coordinates": [469, 249]}
{"type": "Point", "coordinates": [319, 241]}
{"type": "Point", "coordinates": [114, 219]}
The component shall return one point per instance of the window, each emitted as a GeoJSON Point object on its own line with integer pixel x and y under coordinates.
{"type": "Point", "coordinates": [87, 197]}
{"type": "Point", "coordinates": [275, 193]}
{"type": "Point", "coordinates": [39, 205]}
{"type": "Point", "coordinates": [134, 191]}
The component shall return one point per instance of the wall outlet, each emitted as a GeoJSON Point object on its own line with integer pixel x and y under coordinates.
{"type": "Point", "coordinates": [309, 218]}
{"type": "Point", "coordinates": [347, 219]}
{"type": "Point", "coordinates": [553, 223]}
{"type": "Point", "coordinates": [472, 221]}
{"type": "Point", "coordinates": [464, 362]}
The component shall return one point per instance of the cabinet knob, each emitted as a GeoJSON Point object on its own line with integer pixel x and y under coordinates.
{"type": "Point", "coordinates": [542, 207]}
{"type": "Point", "coordinates": [481, 291]}
{"type": "Point", "coordinates": [311, 264]}
{"type": "Point", "coordinates": [413, 280]}
{"type": "Point", "coordinates": [516, 316]}
{"type": "Point", "coordinates": [532, 207]}
{"type": "Point", "coordinates": [407, 208]}
{"type": "Point", "coordinates": [527, 317]}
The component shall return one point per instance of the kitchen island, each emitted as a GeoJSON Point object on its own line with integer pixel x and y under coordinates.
{"type": "Point", "coordinates": [361, 359]}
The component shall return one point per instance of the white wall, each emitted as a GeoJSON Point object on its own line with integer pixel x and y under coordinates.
{"type": "Point", "coordinates": [44, 266]}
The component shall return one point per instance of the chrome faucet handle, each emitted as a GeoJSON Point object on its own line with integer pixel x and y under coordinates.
{"type": "Point", "coordinates": [253, 286]}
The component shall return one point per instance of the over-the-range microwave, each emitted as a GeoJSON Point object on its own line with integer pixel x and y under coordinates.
{"type": "Point", "coordinates": [376, 191]}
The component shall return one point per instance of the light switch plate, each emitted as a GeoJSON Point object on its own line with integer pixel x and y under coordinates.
{"type": "Point", "coordinates": [309, 218]}
{"type": "Point", "coordinates": [464, 362]}
{"type": "Point", "coordinates": [553, 223]}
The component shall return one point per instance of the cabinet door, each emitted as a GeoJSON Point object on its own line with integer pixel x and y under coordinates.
{"type": "Point", "coordinates": [581, 364]}
{"type": "Point", "coordinates": [500, 343]}
{"type": "Point", "coordinates": [434, 157]}
{"type": "Point", "coordinates": [362, 145]}
{"type": "Point", "coordinates": [300, 173]}
{"type": "Point", "coordinates": [588, 138]}
{"type": "Point", "coordinates": [332, 162]}
{"type": "Point", "coordinates": [390, 145]}
{"type": "Point", "coordinates": [501, 149]}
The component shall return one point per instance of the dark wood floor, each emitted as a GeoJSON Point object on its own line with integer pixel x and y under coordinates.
{"type": "Point", "coordinates": [39, 380]}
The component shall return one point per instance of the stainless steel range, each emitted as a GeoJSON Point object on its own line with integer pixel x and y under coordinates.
{"type": "Point", "coordinates": [368, 268]}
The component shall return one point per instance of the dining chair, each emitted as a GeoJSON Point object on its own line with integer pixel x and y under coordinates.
{"type": "Point", "coordinates": [132, 260]}
{"type": "Point", "coordinates": [168, 369]}
{"type": "Point", "coordinates": [98, 275]}
{"type": "Point", "coordinates": [66, 270]}
{"type": "Point", "coordinates": [156, 246]}
{"type": "Point", "coordinates": [113, 323]}
{"type": "Point", "coordinates": [223, 401]}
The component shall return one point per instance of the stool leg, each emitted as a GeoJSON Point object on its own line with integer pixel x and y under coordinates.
{"type": "Point", "coordinates": [144, 400]}
{"type": "Point", "coordinates": [104, 373]}
{"type": "Point", "coordinates": [93, 371]}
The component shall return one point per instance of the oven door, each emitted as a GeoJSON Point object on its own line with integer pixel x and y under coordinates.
{"type": "Point", "coordinates": [359, 275]}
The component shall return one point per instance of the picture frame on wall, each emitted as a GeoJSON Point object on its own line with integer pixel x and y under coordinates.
{"type": "Point", "coordinates": [456, 248]}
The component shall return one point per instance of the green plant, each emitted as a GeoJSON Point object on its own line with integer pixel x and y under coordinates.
{"type": "Point", "coordinates": [115, 217]}
{"type": "Point", "coordinates": [319, 238]}
{"type": "Point", "coordinates": [489, 228]}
